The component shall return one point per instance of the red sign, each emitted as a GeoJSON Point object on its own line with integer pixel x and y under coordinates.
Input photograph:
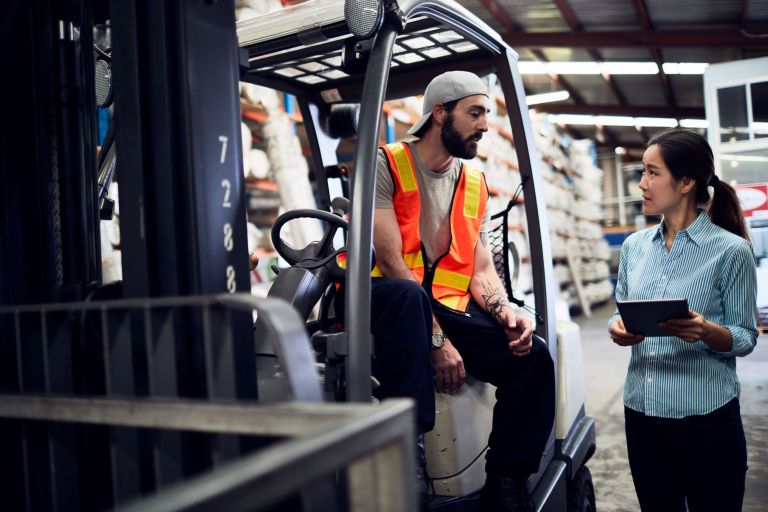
{"type": "Point", "coordinates": [754, 199]}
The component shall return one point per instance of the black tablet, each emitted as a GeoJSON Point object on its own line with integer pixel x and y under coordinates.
{"type": "Point", "coordinates": [643, 316]}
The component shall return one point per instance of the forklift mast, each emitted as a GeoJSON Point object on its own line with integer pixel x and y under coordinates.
{"type": "Point", "coordinates": [49, 226]}
{"type": "Point", "coordinates": [183, 233]}
{"type": "Point", "coordinates": [177, 114]}
{"type": "Point", "coordinates": [177, 122]}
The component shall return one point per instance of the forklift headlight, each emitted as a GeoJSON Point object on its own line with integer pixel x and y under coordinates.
{"type": "Point", "coordinates": [102, 68]}
{"type": "Point", "coordinates": [364, 17]}
{"type": "Point", "coordinates": [103, 79]}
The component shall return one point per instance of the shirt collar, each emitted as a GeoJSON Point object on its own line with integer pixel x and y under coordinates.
{"type": "Point", "coordinates": [659, 231]}
{"type": "Point", "coordinates": [696, 231]}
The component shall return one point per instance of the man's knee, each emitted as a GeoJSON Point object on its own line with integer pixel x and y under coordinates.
{"type": "Point", "coordinates": [403, 315]}
{"type": "Point", "coordinates": [540, 351]}
{"type": "Point", "coordinates": [404, 294]}
{"type": "Point", "coordinates": [407, 289]}
{"type": "Point", "coordinates": [537, 366]}
{"type": "Point", "coordinates": [544, 366]}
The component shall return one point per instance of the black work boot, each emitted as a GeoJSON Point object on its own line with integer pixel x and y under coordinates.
{"type": "Point", "coordinates": [422, 479]}
{"type": "Point", "coordinates": [505, 494]}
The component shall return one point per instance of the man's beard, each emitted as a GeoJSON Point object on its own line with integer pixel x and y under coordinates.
{"type": "Point", "coordinates": [455, 144]}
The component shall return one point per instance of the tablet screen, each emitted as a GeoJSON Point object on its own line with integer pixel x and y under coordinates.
{"type": "Point", "coordinates": [643, 316]}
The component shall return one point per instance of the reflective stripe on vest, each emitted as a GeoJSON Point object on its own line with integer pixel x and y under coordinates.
{"type": "Point", "coordinates": [413, 260]}
{"type": "Point", "coordinates": [453, 271]}
{"type": "Point", "coordinates": [407, 206]}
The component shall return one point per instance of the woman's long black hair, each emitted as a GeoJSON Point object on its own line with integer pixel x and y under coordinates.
{"type": "Point", "coordinates": [687, 153]}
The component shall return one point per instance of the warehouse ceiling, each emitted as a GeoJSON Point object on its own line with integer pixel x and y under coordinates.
{"type": "Point", "coordinates": [649, 31]}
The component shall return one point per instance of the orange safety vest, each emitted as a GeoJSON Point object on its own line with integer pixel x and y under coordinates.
{"type": "Point", "coordinates": [451, 272]}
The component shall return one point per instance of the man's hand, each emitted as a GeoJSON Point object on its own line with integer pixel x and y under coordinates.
{"type": "Point", "coordinates": [620, 336]}
{"type": "Point", "coordinates": [449, 368]}
{"type": "Point", "coordinates": [518, 330]}
{"type": "Point", "coordinates": [692, 329]}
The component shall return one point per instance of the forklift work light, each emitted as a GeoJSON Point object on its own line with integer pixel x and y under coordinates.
{"type": "Point", "coordinates": [103, 79]}
{"type": "Point", "coordinates": [102, 68]}
{"type": "Point", "coordinates": [364, 17]}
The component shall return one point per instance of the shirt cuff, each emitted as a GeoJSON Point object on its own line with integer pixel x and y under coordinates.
{"type": "Point", "coordinates": [613, 319]}
{"type": "Point", "coordinates": [744, 342]}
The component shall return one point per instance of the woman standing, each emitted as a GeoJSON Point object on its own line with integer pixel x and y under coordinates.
{"type": "Point", "coordinates": [685, 439]}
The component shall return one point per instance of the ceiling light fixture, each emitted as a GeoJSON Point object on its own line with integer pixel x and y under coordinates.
{"type": "Point", "coordinates": [547, 97]}
{"type": "Point", "coordinates": [609, 68]}
{"type": "Point", "coordinates": [656, 122]}
{"type": "Point", "coordinates": [629, 68]}
{"type": "Point", "coordinates": [645, 122]}
{"type": "Point", "coordinates": [744, 158]}
{"type": "Point", "coordinates": [694, 123]}
{"type": "Point", "coordinates": [684, 68]}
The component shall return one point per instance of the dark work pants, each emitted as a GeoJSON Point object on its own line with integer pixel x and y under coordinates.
{"type": "Point", "coordinates": [401, 324]}
{"type": "Point", "coordinates": [524, 413]}
{"type": "Point", "coordinates": [523, 416]}
{"type": "Point", "coordinates": [701, 460]}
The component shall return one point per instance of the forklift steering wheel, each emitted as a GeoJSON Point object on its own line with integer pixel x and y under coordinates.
{"type": "Point", "coordinates": [316, 254]}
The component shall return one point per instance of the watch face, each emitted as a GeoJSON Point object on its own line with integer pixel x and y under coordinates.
{"type": "Point", "coordinates": [438, 339]}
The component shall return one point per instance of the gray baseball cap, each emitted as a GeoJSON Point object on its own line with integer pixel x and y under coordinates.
{"type": "Point", "coordinates": [451, 85]}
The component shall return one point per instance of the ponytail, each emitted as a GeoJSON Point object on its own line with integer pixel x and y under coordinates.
{"type": "Point", "coordinates": [725, 209]}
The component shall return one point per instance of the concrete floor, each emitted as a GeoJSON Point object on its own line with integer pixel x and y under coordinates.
{"type": "Point", "coordinates": [605, 369]}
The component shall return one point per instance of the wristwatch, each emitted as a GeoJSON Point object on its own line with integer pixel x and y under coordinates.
{"type": "Point", "coordinates": [438, 338]}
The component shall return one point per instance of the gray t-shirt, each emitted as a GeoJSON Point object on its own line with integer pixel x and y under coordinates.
{"type": "Point", "coordinates": [435, 193]}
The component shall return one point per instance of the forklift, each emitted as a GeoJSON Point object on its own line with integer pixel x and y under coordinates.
{"type": "Point", "coordinates": [341, 60]}
{"type": "Point", "coordinates": [80, 351]}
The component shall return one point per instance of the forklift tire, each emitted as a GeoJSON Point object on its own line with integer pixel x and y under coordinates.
{"type": "Point", "coordinates": [581, 493]}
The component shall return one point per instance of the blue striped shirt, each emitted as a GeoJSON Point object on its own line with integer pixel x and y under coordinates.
{"type": "Point", "coordinates": [715, 270]}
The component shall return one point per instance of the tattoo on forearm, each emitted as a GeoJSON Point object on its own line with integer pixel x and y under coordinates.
{"type": "Point", "coordinates": [495, 300]}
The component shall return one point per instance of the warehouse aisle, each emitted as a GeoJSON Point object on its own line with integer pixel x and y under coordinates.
{"type": "Point", "coordinates": [605, 369]}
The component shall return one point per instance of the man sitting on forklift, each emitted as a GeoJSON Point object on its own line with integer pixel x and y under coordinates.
{"type": "Point", "coordinates": [439, 300]}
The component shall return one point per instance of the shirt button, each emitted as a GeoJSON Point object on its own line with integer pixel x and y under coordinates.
{"type": "Point", "coordinates": [653, 354]}
{"type": "Point", "coordinates": [650, 380]}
